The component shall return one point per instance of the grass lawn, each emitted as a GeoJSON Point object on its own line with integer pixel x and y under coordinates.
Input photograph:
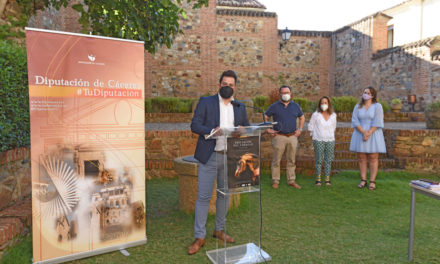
{"type": "Point", "coordinates": [337, 224]}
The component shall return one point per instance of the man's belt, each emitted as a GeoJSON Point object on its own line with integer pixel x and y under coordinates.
{"type": "Point", "coordinates": [287, 134]}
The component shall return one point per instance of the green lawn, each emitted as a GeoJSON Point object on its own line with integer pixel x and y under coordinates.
{"type": "Point", "coordinates": [337, 224]}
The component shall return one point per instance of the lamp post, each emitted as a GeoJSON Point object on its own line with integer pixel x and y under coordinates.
{"type": "Point", "coordinates": [412, 99]}
{"type": "Point", "coordinates": [285, 36]}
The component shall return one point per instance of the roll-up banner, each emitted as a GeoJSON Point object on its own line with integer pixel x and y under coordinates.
{"type": "Point", "coordinates": [86, 98]}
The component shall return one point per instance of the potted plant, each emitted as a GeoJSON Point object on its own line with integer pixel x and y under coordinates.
{"type": "Point", "coordinates": [396, 105]}
{"type": "Point", "coordinates": [432, 115]}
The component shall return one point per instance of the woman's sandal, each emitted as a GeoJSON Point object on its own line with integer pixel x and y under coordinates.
{"type": "Point", "coordinates": [360, 186]}
{"type": "Point", "coordinates": [318, 183]}
{"type": "Point", "coordinates": [371, 187]}
{"type": "Point", "coordinates": [328, 183]}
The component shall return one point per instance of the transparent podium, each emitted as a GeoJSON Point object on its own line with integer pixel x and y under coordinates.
{"type": "Point", "coordinates": [238, 168]}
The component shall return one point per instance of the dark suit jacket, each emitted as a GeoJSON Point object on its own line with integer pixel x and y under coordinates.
{"type": "Point", "coordinates": [207, 117]}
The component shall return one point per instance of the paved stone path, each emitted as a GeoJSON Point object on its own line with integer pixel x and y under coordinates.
{"type": "Point", "coordinates": [388, 125]}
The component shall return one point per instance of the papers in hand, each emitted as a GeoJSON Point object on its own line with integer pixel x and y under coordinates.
{"type": "Point", "coordinates": [426, 184]}
{"type": "Point", "coordinates": [214, 132]}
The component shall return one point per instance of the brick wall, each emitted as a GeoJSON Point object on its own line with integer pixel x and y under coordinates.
{"type": "Point", "coordinates": [247, 43]}
{"type": "Point", "coordinates": [15, 176]}
{"type": "Point", "coordinates": [352, 50]}
{"type": "Point", "coordinates": [314, 63]}
{"type": "Point", "coordinates": [412, 150]}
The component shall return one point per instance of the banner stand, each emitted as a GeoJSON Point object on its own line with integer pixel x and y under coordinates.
{"type": "Point", "coordinates": [87, 123]}
{"type": "Point", "coordinates": [92, 253]}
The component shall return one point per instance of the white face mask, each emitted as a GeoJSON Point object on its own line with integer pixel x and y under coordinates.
{"type": "Point", "coordinates": [324, 107]}
{"type": "Point", "coordinates": [285, 97]}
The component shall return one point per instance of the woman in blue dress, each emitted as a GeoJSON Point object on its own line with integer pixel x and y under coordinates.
{"type": "Point", "coordinates": [367, 139]}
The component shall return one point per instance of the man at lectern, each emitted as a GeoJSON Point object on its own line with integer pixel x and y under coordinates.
{"type": "Point", "coordinates": [213, 112]}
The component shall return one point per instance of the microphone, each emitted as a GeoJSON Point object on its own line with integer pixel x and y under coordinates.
{"type": "Point", "coordinates": [238, 104]}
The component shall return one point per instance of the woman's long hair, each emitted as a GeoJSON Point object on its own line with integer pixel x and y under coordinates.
{"type": "Point", "coordinates": [330, 108]}
{"type": "Point", "coordinates": [373, 93]}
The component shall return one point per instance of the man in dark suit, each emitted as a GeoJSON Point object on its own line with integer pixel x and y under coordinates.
{"type": "Point", "coordinates": [212, 113]}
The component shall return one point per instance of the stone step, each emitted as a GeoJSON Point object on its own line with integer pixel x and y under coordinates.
{"type": "Point", "coordinates": [345, 154]}
{"type": "Point", "coordinates": [337, 164]}
{"type": "Point", "coordinates": [15, 220]}
{"type": "Point", "coordinates": [342, 146]}
{"type": "Point", "coordinates": [342, 137]}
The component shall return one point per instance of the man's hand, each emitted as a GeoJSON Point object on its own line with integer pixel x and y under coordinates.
{"type": "Point", "coordinates": [297, 132]}
{"type": "Point", "coordinates": [271, 132]}
{"type": "Point", "coordinates": [217, 131]}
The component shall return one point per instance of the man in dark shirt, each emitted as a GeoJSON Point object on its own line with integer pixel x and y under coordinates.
{"type": "Point", "coordinates": [285, 135]}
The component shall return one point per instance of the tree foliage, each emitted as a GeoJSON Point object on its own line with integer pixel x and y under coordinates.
{"type": "Point", "coordinates": [154, 21]}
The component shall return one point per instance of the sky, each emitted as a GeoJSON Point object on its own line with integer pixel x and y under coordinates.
{"type": "Point", "coordinates": [323, 15]}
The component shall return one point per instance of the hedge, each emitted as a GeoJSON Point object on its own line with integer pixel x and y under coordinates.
{"type": "Point", "coordinates": [168, 105]}
{"type": "Point", "coordinates": [14, 102]}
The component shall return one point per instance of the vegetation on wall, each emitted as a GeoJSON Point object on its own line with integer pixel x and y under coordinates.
{"type": "Point", "coordinates": [14, 102]}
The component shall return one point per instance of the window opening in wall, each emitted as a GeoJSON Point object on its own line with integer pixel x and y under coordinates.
{"type": "Point", "coordinates": [390, 37]}
{"type": "Point", "coordinates": [91, 168]}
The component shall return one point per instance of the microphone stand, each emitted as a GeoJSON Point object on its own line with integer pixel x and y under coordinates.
{"type": "Point", "coordinates": [265, 123]}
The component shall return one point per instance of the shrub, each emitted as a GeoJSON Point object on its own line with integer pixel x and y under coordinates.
{"type": "Point", "coordinates": [168, 105]}
{"type": "Point", "coordinates": [433, 107]}
{"type": "Point", "coordinates": [306, 105]}
{"type": "Point", "coordinates": [148, 106]}
{"type": "Point", "coordinates": [261, 102]}
{"type": "Point", "coordinates": [396, 101]}
{"type": "Point", "coordinates": [14, 102]}
{"type": "Point", "coordinates": [343, 104]}
{"type": "Point", "coordinates": [385, 106]}
{"type": "Point", "coordinates": [274, 95]}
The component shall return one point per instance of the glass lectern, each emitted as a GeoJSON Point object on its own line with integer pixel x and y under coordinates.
{"type": "Point", "coordinates": [241, 174]}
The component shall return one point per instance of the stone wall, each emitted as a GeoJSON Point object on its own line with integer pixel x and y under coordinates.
{"type": "Point", "coordinates": [352, 50]}
{"type": "Point", "coordinates": [250, 84]}
{"type": "Point", "coordinates": [234, 24]}
{"type": "Point", "coordinates": [162, 147]}
{"type": "Point", "coordinates": [256, 117]}
{"type": "Point", "coordinates": [435, 83]}
{"type": "Point", "coordinates": [303, 53]}
{"type": "Point", "coordinates": [399, 72]}
{"type": "Point", "coordinates": [15, 176]}
{"type": "Point", "coordinates": [176, 83]}
{"type": "Point", "coordinates": [193, 17]}
{"type": "Point", "coordinates": [239, 51]}
{"type": "Point", "coordinates": [412, 150]}
{"type": "Point", "coordinates": [417, 150]}
{"type": "Point", "coordinates": [185, 50]}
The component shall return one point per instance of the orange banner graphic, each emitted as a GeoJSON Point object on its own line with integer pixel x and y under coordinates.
{"type": "Point", "coordinates": [86, 97]}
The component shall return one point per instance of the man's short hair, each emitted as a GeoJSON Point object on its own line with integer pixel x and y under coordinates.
{"type": "Point", "coordinates": [285, 86]}
{"type": "Point", "coordinates": [228, 73]}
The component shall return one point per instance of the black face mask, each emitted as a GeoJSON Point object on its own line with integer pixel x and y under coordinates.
{"type": "Point", "coordinates": [226, 92]}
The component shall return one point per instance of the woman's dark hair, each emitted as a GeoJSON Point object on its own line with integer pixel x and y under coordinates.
{"type": "Point", "coordinates": [228, 73]}
{"type": "Point", "coordinates": [330, 108]}
{"type": "Point", "coordinates": [373, 93]}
